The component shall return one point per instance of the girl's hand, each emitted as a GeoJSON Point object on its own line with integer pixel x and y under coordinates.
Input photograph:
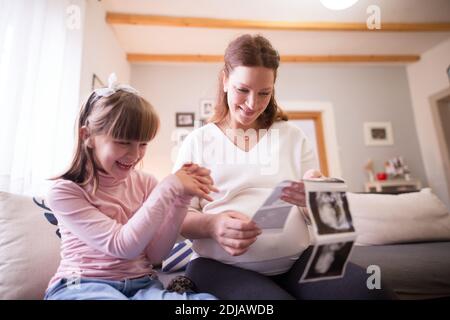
{"type": "Point", "coordinates": [202, 175]}
{"type": "Point", "coordinates": [234, 231]}
{"type": "Point", "coordinates": [196, 181]}
{"type": "Point", "coordinates": [295, 193]}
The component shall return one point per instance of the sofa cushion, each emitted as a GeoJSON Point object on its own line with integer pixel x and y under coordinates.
{"type": "Point", "coordinates": [29, 247]}
{"type": "Point", "coordinates": [412, 270]}
{"type": "Point", "coordinates": [409, 217]}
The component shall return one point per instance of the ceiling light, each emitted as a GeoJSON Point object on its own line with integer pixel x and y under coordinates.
{"type": "Point", "coordinates": [338, 4]}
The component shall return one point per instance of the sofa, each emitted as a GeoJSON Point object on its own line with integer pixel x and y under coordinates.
{"type": "Point", "coordinates": [406, 235]}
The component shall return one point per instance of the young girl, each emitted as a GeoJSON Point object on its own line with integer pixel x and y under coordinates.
{"type": "Point", "coordinates": [115, 221]}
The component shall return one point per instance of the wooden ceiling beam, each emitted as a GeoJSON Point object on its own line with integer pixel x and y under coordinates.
{"type": "Point", "coordinates": [142, 57]}
{"type": "Point", "coordinates": [137, 57]}
{"type": "Point", "coordinates": [158, 20]}
{"type": "Point", "coordinates": [351, 58]}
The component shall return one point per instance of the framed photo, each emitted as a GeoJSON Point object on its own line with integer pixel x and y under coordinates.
{"type": "Point", "coordinates": [378, 134]}
{"type": "Point", "coordinates": [199, 123]}
{"type": "Point", "coordinates": [96, 82]}
{"type": "Point", "coordinates": [184, 119]}
{"type": "Point", "coordinates": [206, 109]}
{"type": "Point", "coordinates": [178, 135]}
{"type": "Point", "coordinates": [182, 136]}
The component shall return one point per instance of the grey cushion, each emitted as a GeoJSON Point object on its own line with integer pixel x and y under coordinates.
{"type": "Point", "coordinates": [413, 270]}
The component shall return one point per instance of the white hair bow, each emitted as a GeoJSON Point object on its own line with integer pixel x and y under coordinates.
{"type": "Point", "coordinates": [113, 87]}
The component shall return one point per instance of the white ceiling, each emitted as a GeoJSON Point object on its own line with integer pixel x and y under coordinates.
{"type": "Point", "coordinates": [178, 40]}
{"type": "Point", "coordinates": [291, 10]}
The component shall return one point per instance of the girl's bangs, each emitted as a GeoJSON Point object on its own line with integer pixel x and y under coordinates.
{"type": "Point", "coordinates": [135, 121]}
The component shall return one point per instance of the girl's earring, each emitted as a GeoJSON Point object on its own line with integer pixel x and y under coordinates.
{"type": "Point", "coordinates": [84, 134]}
{"type": "Point", "coordinates": [89, 143]}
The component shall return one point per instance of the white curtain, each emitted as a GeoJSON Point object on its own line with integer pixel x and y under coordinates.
{"type": "Point", "coordinates": [40, 62]}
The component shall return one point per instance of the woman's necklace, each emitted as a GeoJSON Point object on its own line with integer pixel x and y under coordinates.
{"type": "Point", "coordinates": [236, 136]}
{"type": "Point", "coordinates": [236, 132]}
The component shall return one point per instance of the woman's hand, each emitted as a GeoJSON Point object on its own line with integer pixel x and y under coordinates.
{"type": "Point", "coordinates": [313, 173]}
{"type": "Point", "coordinates": [196, 181]}
{"type": "Point", "coordinates": [234, 231]}
{"type": "Point", "coordinates": [295, 193]}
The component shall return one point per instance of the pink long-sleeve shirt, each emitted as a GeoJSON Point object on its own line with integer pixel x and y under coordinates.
{"type": "Point", "coordinates": [122, 230]}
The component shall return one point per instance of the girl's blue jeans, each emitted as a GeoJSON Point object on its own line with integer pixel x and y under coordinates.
{"type": "Point", "coordinates": [143, 288]}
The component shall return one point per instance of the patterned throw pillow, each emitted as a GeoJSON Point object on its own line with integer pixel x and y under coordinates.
{"type": "Point", "coordinates": [29, 247]}
{"type": "Point", "coordinates": [47, 213]}
{"type": "Point", "coordinates": [179, 257]}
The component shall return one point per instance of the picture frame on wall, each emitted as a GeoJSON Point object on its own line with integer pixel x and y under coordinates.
{"type": "Point", "coordinates": [206, 109]}
{"type": "Point", "coordinates": [178, 135]}
{"type": "Point", "coordinates": [184, 119]}
{"type": "Point", "coordinates": [378, 134]}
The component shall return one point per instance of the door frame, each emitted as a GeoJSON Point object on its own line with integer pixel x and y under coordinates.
{"type": "Point", "coordinates": [442, 145]}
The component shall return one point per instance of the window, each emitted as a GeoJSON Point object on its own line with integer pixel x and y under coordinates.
{"type": "Point", "coordinates": [40, 62]}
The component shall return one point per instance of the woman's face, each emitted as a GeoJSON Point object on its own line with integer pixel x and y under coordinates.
{"type": "Point", "coordinates": [248, 93]}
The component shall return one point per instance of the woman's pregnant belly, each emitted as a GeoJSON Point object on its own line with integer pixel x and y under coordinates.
{"type": "Point", "coordinates": [274, 251]}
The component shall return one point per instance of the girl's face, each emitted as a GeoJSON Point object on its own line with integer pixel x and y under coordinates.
{"type": "Point", "coordinates": [248, 93]}
{"type": "Point", "coordinates": [118, 157]}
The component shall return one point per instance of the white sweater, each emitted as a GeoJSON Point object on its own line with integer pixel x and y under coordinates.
{"type": "Point", "coordinates": [245, 179]}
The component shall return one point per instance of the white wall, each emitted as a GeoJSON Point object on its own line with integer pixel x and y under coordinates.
{"type": "Point", "coordinates": [426, 78]}
{"type": "Point", "coordinates": [102, 53]}
{"type": "Point", "coordinates": [357, 93]}
{"type": "Point", "coordinates": [172, 88]}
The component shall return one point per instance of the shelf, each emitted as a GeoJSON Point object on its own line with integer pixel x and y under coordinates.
{"type": "Point", "coordinates": [395, 186]}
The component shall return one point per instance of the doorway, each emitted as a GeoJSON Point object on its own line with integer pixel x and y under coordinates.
{"type": "Point", "coordinates": [312, 125]}
{"type": "Point", "coordinates": [440, 110]}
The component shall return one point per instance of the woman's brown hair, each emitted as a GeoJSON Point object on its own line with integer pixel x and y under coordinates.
{"type": "Point", "coordinates": [249, 51]}
{"type": "Point", "coordinates": [123, 116]}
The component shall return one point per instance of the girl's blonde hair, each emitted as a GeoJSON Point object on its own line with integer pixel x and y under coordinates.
{"type": "Point", "coordinates": [249, 51]}
{"type": "Point", "coordinates": [123, 116]}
